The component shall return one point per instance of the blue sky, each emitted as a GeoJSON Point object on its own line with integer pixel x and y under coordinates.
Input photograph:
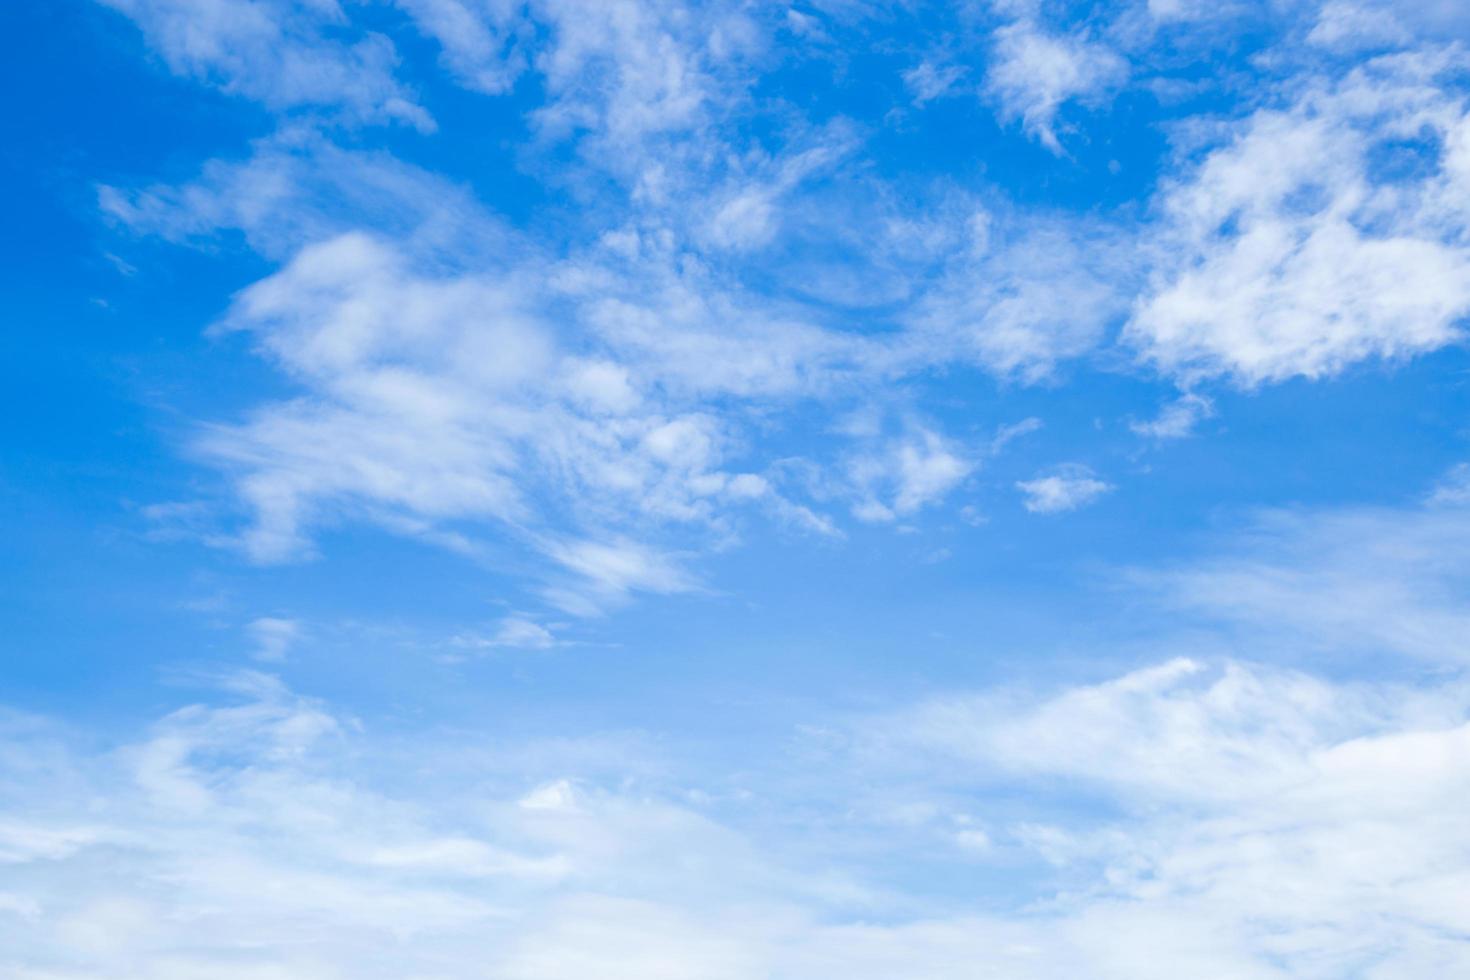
{"type": "Point", "coordinates": [538, 490]}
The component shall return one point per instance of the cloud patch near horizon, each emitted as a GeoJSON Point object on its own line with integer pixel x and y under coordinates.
{"type": "Point", "coordinates": [243, 838]}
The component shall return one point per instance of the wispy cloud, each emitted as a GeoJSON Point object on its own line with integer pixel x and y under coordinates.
{"type": "Point", "coordinates": [286, 55]}
{"type": "Point", "coordinates": [273, 636]}
{"type": "Point", "coordinates": [1352, 580]}
{"type": "Point", "coordinates": [1066, 488]}
{"type": "Point", "coordinates": [1177, 419]}
{"type": "Point", "coordinates": [512, 632]}
{"type": "Point", "coordinates": [1035, 71]}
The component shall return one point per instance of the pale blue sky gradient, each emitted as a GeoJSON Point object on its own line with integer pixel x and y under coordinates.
{"type": "Point", "coordinates": [666, 490]}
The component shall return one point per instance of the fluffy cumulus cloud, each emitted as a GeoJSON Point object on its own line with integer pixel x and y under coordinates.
{"type": "Point", "coordinates": [1326, 231]}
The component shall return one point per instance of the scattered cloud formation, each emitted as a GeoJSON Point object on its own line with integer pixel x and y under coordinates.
{"type": "Point", "coordinates": [589, 297]}
{"type": "Point", "coordinates": [459, 378]}
{"type": "Point", "coordinates": [1066, 488]}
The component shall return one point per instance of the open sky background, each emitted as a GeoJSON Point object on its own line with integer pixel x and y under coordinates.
{"type": "Point", "coordinates": [734, 490]}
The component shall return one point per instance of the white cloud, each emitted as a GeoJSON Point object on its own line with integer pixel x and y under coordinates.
{"type": "Point", "coordinates": [1167, 10]}
{"type": "Point", "coordinates": [1454, 489]}
{"type": "Point", "coordinates": [1266, 820]}
{"type": "Point", "coordinates": [906, 474]}
{"type": "Point", "coordinates": [929, 80]}
{"type": "Point", "coordinates": [297, 189]}
{"type": "Point", "coordinates": [1026, 293]}
{"type": "Point", "coordinates": [1190, 818]}
{"type": "Point", "coordinates": [599, 400]}
{"type": "Point", "coordinates": [457, 380]}
{"type": "Point", "coordinates": [1348, 26]}
{"type": "Point", "coordinates": [386, 433]}
{"type": "Point", "coordinates": [641, 86]}
{"type": "Point", "coordinates": [286, 55]}
{"type": "Point", "coordinates": [1007, 434]}
{"type": "Point", "coordinates": [1355, 25]}
{"type": "Point", "coordinates": [556, 795]}
{"type": "Point", "coordinates": [1034, 72]}
{"type": "Point", "coordinates": [1154, 731]}
{"type": "Point", "coordinates": [479, 38]}
{"type": "Point", "coordinates": [751, 215]}
{"type": "Point", "coordinates": [21, 842]}
{"type": "Point", "coordinates": [1354, 580]}
{"type": "Point", "coordinates": [1177, 419]}
{"type": "Point", "coordinates": [240, 838]}
{"type": "Point", "coordinates": [512, 632]}
{"type": "Point", "coordinates": [1302, 249]}
{"type": "Point", "coordinates": [1067, 488]}
{"type": "Point", "coordinates": [617, 567]}
{"type": "Point", "coordinates": [450, 371]}
{"type": "Point", "coordinates": [431, 400]}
